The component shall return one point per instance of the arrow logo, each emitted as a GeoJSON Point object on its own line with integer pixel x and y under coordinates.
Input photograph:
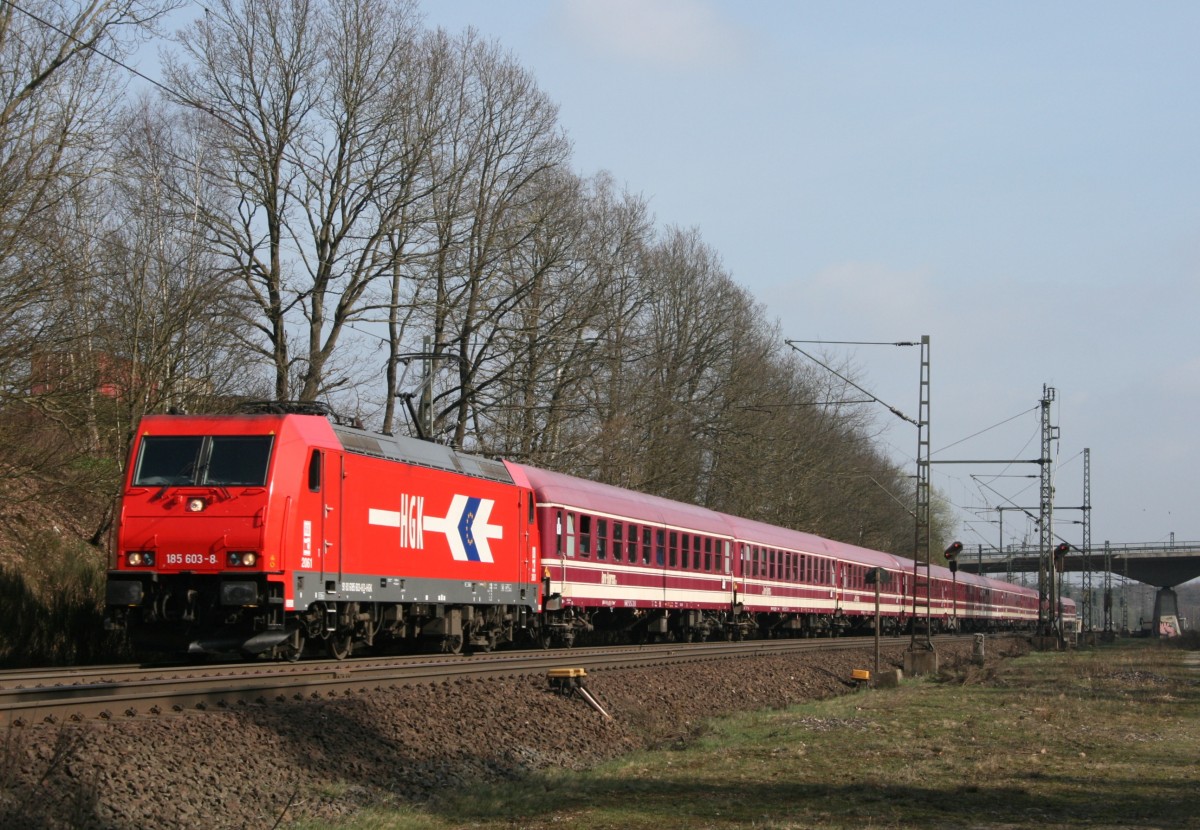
{"type": "Point", "coordinates": [465, 526]}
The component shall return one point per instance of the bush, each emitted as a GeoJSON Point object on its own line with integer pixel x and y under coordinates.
{"type": "Point", "coordinates": [52, 606]}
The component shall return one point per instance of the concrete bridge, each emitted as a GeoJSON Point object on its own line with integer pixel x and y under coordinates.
{"type": "Point", "coordinates": [1154, 563]}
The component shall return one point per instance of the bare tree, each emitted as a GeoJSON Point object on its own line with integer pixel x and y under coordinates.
{"type": "Point", "coordinates": [312, 151]}
{"type": "Point", "coordinates": [58, 87]}
{"type": "Point", "coordinates": [502, 140]}
{"type": "Point", "coordinates": [171, 311]}
{"type": "Point", "coordinates": [55, 93]}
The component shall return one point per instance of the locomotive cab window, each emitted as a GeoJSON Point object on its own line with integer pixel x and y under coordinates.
{"type": "Point", "coordinates": [218, 461]}
{"type": "Point", "coordinates": [314, 472]}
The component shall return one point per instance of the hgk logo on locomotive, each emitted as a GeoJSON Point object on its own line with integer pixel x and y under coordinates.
{"type": "Point", "coordinates": [465, 525]}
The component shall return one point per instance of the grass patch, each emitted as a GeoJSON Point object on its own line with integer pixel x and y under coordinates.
{"type": "Point", "coordinates": [1099, 738]}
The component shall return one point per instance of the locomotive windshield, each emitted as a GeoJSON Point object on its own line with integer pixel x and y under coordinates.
{"type": "Point", "coordinates": [203, 460]}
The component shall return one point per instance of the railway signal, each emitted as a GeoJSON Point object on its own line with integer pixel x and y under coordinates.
{"type": "Point", "coordinates": [951, 553]}
{"type": "Point", "coordinates": [1060, 556]}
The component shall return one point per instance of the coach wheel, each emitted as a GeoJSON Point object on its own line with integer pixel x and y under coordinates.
{"type": "Point", "coordinates": [340, 645]}
{"type": "Point", "coordinates": [453, 645]}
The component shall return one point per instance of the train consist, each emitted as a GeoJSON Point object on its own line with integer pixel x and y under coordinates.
{"type": "Point", "coordinates": [267, 534]}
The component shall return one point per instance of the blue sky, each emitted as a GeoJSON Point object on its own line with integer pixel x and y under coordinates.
{"type": "Point", "coordinates": [1017, 180]}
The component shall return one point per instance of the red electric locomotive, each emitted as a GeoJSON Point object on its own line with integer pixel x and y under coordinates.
{"type": "Point", "coordinates": [260, 533]}
{"type": "Point", "coordinates": [263, 533]}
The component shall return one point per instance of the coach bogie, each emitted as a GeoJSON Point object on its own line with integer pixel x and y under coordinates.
{"type": "Point", "coordinates": [561, 628]}
{"type": "Point", "coordinates": [740, 625]}
{"type": "Point", "coordinates": [698, 625]}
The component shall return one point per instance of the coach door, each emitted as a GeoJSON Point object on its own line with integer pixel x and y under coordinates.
{"type": "Point", "coordinates": [321, 517]}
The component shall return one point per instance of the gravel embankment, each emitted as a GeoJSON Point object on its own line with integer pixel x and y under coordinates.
{"type": "Point", "coordinates": [322, 759]}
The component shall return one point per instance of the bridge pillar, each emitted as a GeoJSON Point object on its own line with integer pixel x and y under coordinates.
{"type": "Point", "coordinates": [1166, 614]}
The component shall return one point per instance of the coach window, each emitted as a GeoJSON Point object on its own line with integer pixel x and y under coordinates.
{"type": "Point", "coordinates": [685, 551]}
{"type": "Point", "coordinates": [585, 535]}
{"type": "Point", "coordinates": [632, 545]}
{"type": "Point", "coordinates": [673, 549]}
{"type": "Point", "coordinates": [602, 538]}
{"type": "Point", "coordinates": [660, 547]}
{"type": "Point", "coordinates": [695, 553]}
{"type": "Point", "coordinates": [570, 545]}
{"type": "Point", "coordinates": [618, 540]}
{"type": "Point", "coordinates": [647, 544]}
{"type": "Point", "coordinates": [708, 563]}
{"type": "Point", "coordinates": [728, 557]}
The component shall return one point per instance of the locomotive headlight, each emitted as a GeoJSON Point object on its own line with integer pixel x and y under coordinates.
{"type": "Point", "coordinates": [241, 558]}
{"type": "Point", "coordinates": [133, 558]}
{"type": "Point", "coordinates": [195, 505]}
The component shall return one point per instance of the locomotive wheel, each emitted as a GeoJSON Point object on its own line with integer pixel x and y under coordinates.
{"type": "Point", "coordinates": [545, 640]}
{"type": "Point", "coordinates": [453, 645]}
{"type": "Point", "coordinates": [340, 645]}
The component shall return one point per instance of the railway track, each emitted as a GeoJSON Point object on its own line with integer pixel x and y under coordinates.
{"type": "Point", "coordinates": [130, 691]}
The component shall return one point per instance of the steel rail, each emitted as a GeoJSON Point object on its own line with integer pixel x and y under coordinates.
{"type": "Point", "coordinates": [127, 692]}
